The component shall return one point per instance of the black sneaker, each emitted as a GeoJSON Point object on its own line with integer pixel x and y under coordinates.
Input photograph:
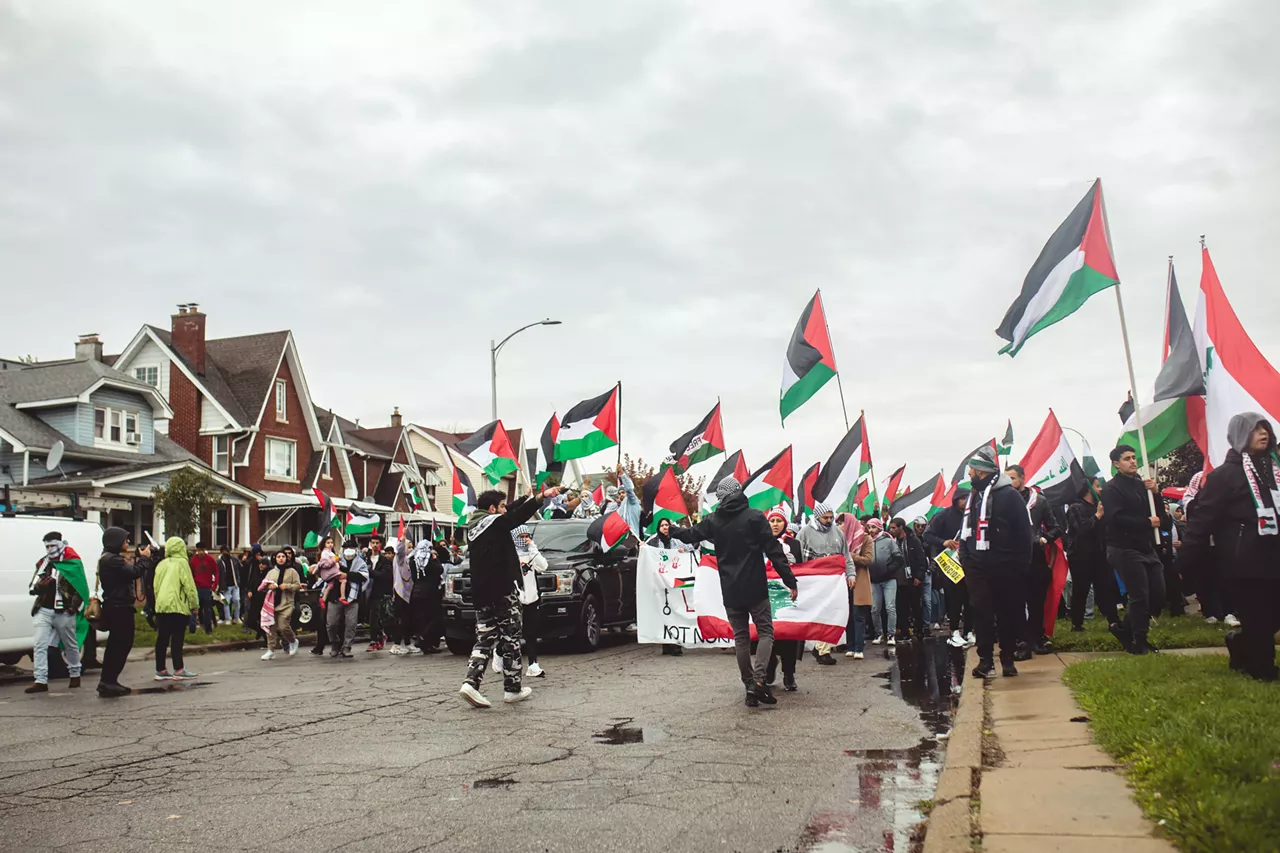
{"type": "Point", "coordinates": [318, 650]}
{"type": "Point", "coordinates": [1077, 629]}
{"type": "Point", "coordinates": [826, 660]}
{"type": "Point", "coordinates": [1235, 656]}
{"type": "Point", "coordinates": [752, 701]}
{"type": "Point", "coordinates": [789, 683]}
{"type": "Point", "coordinates": [984, 669]}
{"type": "Point", "coordinates": [1121, 632]}
{"type": "Point", "coordinates": [764, 694]}
{"type": "Point", "coordinates": [1023, 653]}
{"type": "Point", "coordinates": [1044, 648]}
{"type": "Point", "coordinates": [1008, 670]}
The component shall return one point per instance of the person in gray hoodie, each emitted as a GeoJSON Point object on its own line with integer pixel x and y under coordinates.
{"type": "Point", "coordinates": [822, 537]}
{"type": "Point", "coordinates": [886, 561]}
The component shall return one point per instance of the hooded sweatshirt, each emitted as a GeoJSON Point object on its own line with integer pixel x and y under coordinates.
{"type": "Point", "coordinates": [1126, 514]}
{"type": "Point", "coordinates": [818, 541]}
{"type": "Point", "coordinates": [495, 567]}
{"type": "Point", "coordinates": [1008, 529]}
{"type": "Point", "coordinates": [175, 587]}
{"type": "Point", "coordinates": [115, 575]}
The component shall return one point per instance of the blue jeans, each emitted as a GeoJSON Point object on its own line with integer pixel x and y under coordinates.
{"type": "Point", "coordinates": [885, 595]}
{"type": "Point", "coordinates": [926, 595]}
{"type": "Point", "coordinates": [51, 629]}
{"type": "Point", "coordinates": [939, 603]}
{"type": "Point", "coordinates": [231, 604]}
{"type": "Point", "coordinates": [861, 616]}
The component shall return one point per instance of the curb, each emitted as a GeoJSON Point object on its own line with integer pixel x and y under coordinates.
{"type": "Point", "coordinates": [953, 823]}
{"type": "Point", "coordinates": [233, 646]}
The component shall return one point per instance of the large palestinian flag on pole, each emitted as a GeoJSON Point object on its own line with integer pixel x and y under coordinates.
{"type": "Point", "coordinates": [771, 484]}
{"type": "Point", "coordinates": [359, 523]}
{"type": "Point", "coordinates": [810, 362]}
{"type": "Point", "coordinates": [889, 493]}
{"type": "Point", "coordinates": [1238, 378]}
{"type": "Point", "coordinates": [1165, 426]}
{"type": "Point", "coordinates": [924, 500]}
{"type": "Point", "coordinates": [608, 531]}
{"type": "Point", "coordinates": [804, 491]}
{"type": "Point", "coordinates": [735, 466]}
{"type": "Point", "coordinates": [490, 448]}
{"type": "Point", "coordinates": [848, 468]}
{"type": "Point", "coordinates": [464, 496]}
{"type": "Point", "coordinates": [548, 445]}
{"type": "Point", "coordinates": [1051, 466]}
{"type": "Point", "coordinates": [1075, 264]}
{"type": "Point", "coordinates": [589, 427]}
{"type": "Point", "coordinates": [700, 443]}
{"type": "Point", "coordinates": [820, 611]}
{"type": "Point", "coordinates": [662, 498]}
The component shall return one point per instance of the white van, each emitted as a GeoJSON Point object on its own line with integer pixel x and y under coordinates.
{"type": "Point", "coordinates": [21, 547]}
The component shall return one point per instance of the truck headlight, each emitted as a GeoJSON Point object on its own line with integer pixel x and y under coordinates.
{"type": "Point", "coordinates": [564, 581]}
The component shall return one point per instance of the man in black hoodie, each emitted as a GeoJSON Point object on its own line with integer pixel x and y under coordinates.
{"type": "Point", "coordinates": [1087, 557]}
{"type": "Point", "coordinates": [943, 534]}
{"type": "Point", "coordinates": [1044, 529]}
{"type": "Point", "coordinates": [495, 577]}
{"type": "Point", "coordinates": [743, 539]}
{"type": "Point", "coordinates": [995, 550]}
{"type": "Point", "coordinates": [1131, 528]}
{"type": "Point", "coordinates": [117, 577]}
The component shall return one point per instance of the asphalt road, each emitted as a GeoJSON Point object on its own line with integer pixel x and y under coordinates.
{"type": "Point", "coordinates": [621, 750]}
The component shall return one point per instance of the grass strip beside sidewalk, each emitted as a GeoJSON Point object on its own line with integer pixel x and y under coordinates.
{"type": "Point", "coordinates": [1201, 744]}
{"type": "Point", "coordinates": [144, 635]}
{"type": "Point", "coordinates": [1168, 632]}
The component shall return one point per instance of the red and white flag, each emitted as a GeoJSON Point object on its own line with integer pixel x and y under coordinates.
{"type": "Point", "coordinates": [820, 612]}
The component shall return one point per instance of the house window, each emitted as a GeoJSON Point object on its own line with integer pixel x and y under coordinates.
{"type": "Point", "coordinates": [99, 423]}
{"type": "Point", "coordinates": [282, 458]}
{"type": "Point", "coordinates": [114, 427]}
{"type": "Point", "coordinates": [222, 527]}
{"type": "Point", "coordinates": [324, 466]}
{"type": "Point", "coordinates": [222, 454]}
{"type": "Point", "coordinates": [281, 405]}
{"type": "Point", "coordinates": [149, 375]}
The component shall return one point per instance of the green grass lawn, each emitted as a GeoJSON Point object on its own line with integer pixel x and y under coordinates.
{"type": "Point", "coordinates": [145, 635]}
{"type": "Point", "coordinates": [1201, 744]}
{"type": "Point", "coordinates": [1167, 632]}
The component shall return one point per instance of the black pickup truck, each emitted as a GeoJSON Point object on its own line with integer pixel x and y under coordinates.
{"type": "Point", "coordinates": [583, 591]}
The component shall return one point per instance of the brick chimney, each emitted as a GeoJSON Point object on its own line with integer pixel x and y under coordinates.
{"type": "Point", "coordinates": [188, 335]}
{"type": "Point", "coordinates": [395, 417]}
{"type": "Point", "coordinates": [89, 347]}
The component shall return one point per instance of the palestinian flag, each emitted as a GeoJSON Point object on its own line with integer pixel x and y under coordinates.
{"type": "Point", "coordinates": [962, 473]}
{"type": "Point", "coordinates": [771, 484]}
{"type": "Point", "coordinates": [1126, 408]}
{"type": "Point", "coordinates": [416, 502]}
{"type": "Point", "coordinates": [890, 490]}
{"type": "Point", "coordinates": [1238, 378]}
{"type": "Point", "coordinates": [329, 517]}
{"type": "Point", "coordinates": [589, 427]}
{"type": "Point", "coordinates": [820, 612]}
{"type": "Point", "coordinates": [437, 535]}
{"type": "Point", "coordinates": [548, 444]}
{"type": "Point", "coordinates": [1051, 465]}
{"type": "Point", "coordinates": [810, 362]}
{"type": "Point", "coordinates": [927, 499]}
{"type": "Point", "coordinates": [356, 523]}
{"type": "Point", "coordinates": [1089, 463]}
{"type": "Point", "coordinates": [1005, 446]}
{"type": "Point", "coordinates": [734, 466]}
{"type": "Point", "coordinates": [842, 481]}
{"type": "Point", "coordinates": [700, 443]}
{"type": "Point", "coordinates": [804, 491]}
{"type": "Point", "coordinates": [71, 567]}
{"type": "Point", "coordinates": [490, 448]}
{"type": "Point", "coordinates": [662, 498]}
{"type": "Point", "coordinates": [1165, 426]}
{"type": "Point", "coordinates": [464, 496]}
{"type": "Point", "coordinates": [598, 496]}
{"type": "Point", "coordinates": [1180, 374]}
{"type": "Point", "coordinates": [608, 531]}
{"type": "Point", "coordinates": [1075, 264]}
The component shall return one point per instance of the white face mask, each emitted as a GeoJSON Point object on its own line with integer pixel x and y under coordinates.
{"type": "Point", "coordinates": [349, 553]}
{"type": "Point", "coordinates": [53, 549]}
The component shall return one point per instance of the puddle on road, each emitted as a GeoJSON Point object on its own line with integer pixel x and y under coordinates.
{"type": "Point", "coordinates": [496, 782]}
{"type": "Point", "coordinates": [173, 687]}
{"type": "Point", "coordinates": [889, 786]}
{"type": "Point", "coordinates": [621, 732]}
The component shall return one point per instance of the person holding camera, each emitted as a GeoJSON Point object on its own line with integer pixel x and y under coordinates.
{"type": "Point", "coordinates": [118, 579]}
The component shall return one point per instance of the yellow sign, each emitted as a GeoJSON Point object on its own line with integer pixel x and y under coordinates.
{"type": "Point", "coordinates": [950, 566]}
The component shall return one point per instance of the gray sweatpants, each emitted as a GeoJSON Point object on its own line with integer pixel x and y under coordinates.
{"type": "Point", "coordinates": [738, 620]}
{"type": "Point", "coordinates": [342, 626]}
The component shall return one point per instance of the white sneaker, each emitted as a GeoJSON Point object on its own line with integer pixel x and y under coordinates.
{"type": "Point", "coordinates": [970, 640]}
{"type": "Point", "coordinates": [293, 648]}
{"type": "Point", "coordinates": [1211, 620]}
{"type": "Point", "coordinates": [850, 654]}
{"type": "Point", "coordinates": [397, 650]}
{"type": "Point", "coordinates": [892, 641]}
{"type": "Point", "coordinates": [937, 626]}
{"type": "Point", "coordinates": [473, 696]}
{"type": "Point", "coordinates": [1231, 620]}
{"type": "Point", "coordinates": [512, 698]}
{"type": "Point", "coordinates": [497, 664]}
{"type": "Point", "coordinates": [858, 656]}
{"type": "Point", "coordinates": [269, 655]}
{"type": "Point", "coordinates": [956, 641]}
{"type": "Point", "coordinates": [877, 641]}
{"type": "Point", "coordinates": [535, 671]}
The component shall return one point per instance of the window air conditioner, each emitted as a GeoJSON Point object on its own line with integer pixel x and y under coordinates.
{"type": "Point", "coordinates": [133, 438]}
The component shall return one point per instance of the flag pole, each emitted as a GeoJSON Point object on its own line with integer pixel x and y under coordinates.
{"type": "Point", "coordinates": [619, 426]}
{"type": "Point", "coordinates": [862, 416]}
{"type": "Point", "coordinates": [1137, 408]}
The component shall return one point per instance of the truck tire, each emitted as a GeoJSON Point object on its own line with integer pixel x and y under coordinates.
{"type": "Point", "coordinates": [306, 616]}
{"type": "Point", "coordinates": [587, 637]}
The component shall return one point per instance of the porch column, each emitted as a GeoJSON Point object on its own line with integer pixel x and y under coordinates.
{"type": "Point", "coordinates": [242, 526]}
{"type": "Point", "coordinates": [157, 522]}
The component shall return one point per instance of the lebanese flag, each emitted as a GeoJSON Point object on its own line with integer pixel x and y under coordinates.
{"type": "Point", "coordinates": [464, 496]}
{"type": "Point", "coordinates": [771, 484]}
{"type": "Point", "coordinates": [1051, 465]}
{"type": "Point", "coordinates": [663, 499]}
{"type": "Point", "coordinates": [735, 466]}
{"type": "Point", "coordinates": [820, 612]}
{"type": "Point", "coordinates": [804, 494]}
{"type": "Point", "coordinates": [700, 443]}
{"type": "Point", "coordinates": [589, 427]}
{"type": "Point", "coordinates": [490, 448]}
{"type": "Point", "coordinates": [810, 361]}
{"type": "Point", "coordinates": [846, 471]}
{"type": "Point", "coordinates": [924, 500]}
{"type": "Point", "coordinates": [608, 531]}
{"type": "Point", "coordinates": [1238, 378]}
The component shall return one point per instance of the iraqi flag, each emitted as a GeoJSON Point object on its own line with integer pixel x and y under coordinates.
{"type": "Point", "coordinates": [890, 491]}
{"type": "Point", "coordinates": [810, 361]}
{"type": "Point", "coordinates": [734, 466]}
{"type": "Point", "coordinates": [1075, 264]}
{"type": "Point", "coordinates": [589, 427]}
{"type": "Point", "coordinates": [662, 498]}
{"type": "Point", "coordinates": [804, 491]}
{"type": "Point", "coordinates": [700, 443]}
{"type": "Point", "coordinates": [925, 500]}
{"type": "Point", "coordinates": [358, 523]}
{"type": "Point", "coordinates": [771, 484]}
{"type": "Point", "coordinates": [820, 611]}
{"type": "Point", "coordinates": [1051, 466]}
{"type": "Point", "coordinates": [464, 496]}
{"type": "Point", "coordinates": [608, 531]}
{"type": "Point", "coordinates": [1238, 378]}
{"type": "Point", "coordinates": [490, 448]}
{"type": "Point", "coordinates": [848, 468]}
{"type": "Point", "coordinates": [548, 445]}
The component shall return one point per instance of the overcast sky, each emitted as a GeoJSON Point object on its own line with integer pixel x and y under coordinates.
{"type": "Point", "coordinates": [671, 180]}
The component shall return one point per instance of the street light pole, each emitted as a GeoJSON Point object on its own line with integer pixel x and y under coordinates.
{"type": "Point", "coordinates": [493, 360]}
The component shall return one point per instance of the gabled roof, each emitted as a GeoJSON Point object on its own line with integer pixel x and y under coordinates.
{"type": "Point", "coordinates": [248, 365]}
{"type": "Point", "coordinates": [212, 380]}
{"type": "Point", "coordinates": [68, 382]}
{"type": "Point", "coordinates": [449, 438]}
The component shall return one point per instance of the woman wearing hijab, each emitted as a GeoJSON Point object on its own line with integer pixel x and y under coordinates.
{"type": "Point", "coordinates": [662, 539]}
{"type": "Point", "coordinates": [1238, 507]}
{"type": "Point", "coordinates": [786, 651]}
{"type": "Point", "coordinates": [862, 551]}
{"type": "Point", "coordinates": [277, 590]}
{"type": "Point", "coordinates": [531, 562]}
{"type": "Point", "coordinates": [886, 560]}
{"type": "Point", "coordinates": [821, 538]}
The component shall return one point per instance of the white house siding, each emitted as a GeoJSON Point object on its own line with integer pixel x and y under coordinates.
{"type": "Point", "coordinates": [149, 355]}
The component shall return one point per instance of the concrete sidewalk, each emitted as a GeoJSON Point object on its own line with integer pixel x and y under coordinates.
{"type": "Point", "coordinates": [1023, 773]}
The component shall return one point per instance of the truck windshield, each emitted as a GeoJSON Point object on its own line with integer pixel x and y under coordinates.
{"type": "Point", "coordinates": [561, 536]}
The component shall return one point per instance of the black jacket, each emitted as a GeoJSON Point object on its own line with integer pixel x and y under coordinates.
{"type": "Point", "coordinates": [495, 567]}
{"type": "Point", "coordinates": [916, 562]}
{"type": "Point", "coordinates": [742, 540]}
{"type": "Point", "coordinates": [1008, 530]}
{"type": "Point", "coordinates": [942, 527]}
{"type": "Point", "coordinates": [229, 572]}
{"type": "Point", "coordinates": [1086, 533]}
{"type": "Point", "coordinates": [116, 576]}
{"type": "Point", "coordinates": [381, 576]}
{"type": "Point", "coordinates": [1224, 509]}
{"type": "Point", "coordinates": [1127, 513]}
{"type": "Point", "coordinates": [1044, 523]}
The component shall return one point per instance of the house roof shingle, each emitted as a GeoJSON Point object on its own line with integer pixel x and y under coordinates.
{"type": "Point", "coordinates": [60, 379]}
{"type": "Point", "coordinates": [238, 371]}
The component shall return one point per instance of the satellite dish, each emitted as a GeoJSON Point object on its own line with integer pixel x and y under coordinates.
{"type": "Point", "coordinates": [55, 455]}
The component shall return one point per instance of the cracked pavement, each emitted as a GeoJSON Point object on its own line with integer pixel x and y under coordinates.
{"type": "Point", "coordinates": [379, 753]}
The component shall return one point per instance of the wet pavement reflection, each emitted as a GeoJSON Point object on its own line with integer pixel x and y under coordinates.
{"type": "Point", "coordinates": [890, 789]}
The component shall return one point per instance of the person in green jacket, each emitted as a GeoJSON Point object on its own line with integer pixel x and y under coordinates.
{"type": "Point", "coordinates": [176, 602]}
